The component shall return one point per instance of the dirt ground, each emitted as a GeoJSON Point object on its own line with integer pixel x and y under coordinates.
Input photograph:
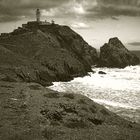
{"type": "Point", "coordinates": [29, 111]}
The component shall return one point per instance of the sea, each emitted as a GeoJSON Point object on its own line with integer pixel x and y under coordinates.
{"type": "Point", "coordinates": [118, 89]}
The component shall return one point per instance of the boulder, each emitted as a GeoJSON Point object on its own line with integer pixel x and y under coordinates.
{"type": "Point", "coordinates": [101, 72]}
{"type": "Point", "coordinates": [115, 54]}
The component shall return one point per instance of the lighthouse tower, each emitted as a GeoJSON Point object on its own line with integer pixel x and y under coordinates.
{"type": "Point", "coordinates": [38, 15]}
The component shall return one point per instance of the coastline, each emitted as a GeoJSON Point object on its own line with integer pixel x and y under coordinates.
{"type": "Point", "coordinates": [41, 54]}
{"type": "Point", "coordinates": [117, 89]}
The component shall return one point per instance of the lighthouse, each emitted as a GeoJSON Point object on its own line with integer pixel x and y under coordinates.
{"type": "Point", "coordinates": [38, 15]}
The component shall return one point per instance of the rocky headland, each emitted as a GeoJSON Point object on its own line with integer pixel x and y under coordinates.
{"type": "Point", "coordinates": [36, 55]}
{"type": "Point", "coordinates": [44, 53]}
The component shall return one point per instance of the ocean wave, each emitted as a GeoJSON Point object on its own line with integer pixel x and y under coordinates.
{"type": "Point", "coordinates": [118, 88]}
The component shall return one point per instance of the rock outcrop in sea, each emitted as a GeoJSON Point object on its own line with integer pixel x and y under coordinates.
{"type": "Point", "coordinates": [44, 53]}
{"type": "Point", "coordinates": [115, 54]}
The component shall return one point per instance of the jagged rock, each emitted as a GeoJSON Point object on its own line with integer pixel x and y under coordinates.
{"type": "Point", "coordinates": [114, 54]}
{"type": "Point", "coordinates": [46, 54]}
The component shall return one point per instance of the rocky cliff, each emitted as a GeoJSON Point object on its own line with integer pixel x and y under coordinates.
{"type": "Point", "coordinates": [44, 53]}
{"type": "Point", "coordinates": [114, 54]}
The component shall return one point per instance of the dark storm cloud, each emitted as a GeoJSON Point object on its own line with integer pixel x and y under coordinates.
{"type": "Point", "coordinates": [27, 4]}
{"type": "Point", "coordinates": [16, 9]}
{"type": "Point", "coordinates": [114, 18]}
{"type": "Point", "coordinates": [6, 18]}
{"type": "Point", "coordinates": [11, 10]}
{"type": "Point", "coordinates": [106, 8]}
{"type": "Point", "coordinates": [134, 44]}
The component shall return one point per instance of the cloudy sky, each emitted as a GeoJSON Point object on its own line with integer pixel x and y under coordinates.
{"type": "Point", "coordinates": [95, 20]}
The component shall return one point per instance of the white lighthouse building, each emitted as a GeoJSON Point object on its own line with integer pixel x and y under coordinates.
{"type": "Point", "coordinates": [38, 15]}
{"type": "Point", "coordinates": [37, 22]}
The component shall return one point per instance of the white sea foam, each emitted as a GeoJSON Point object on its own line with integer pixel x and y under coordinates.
{"type": "Point", "coordinates": [113, 104]}
{"type": "Point", "coordinates": [119, 88]}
